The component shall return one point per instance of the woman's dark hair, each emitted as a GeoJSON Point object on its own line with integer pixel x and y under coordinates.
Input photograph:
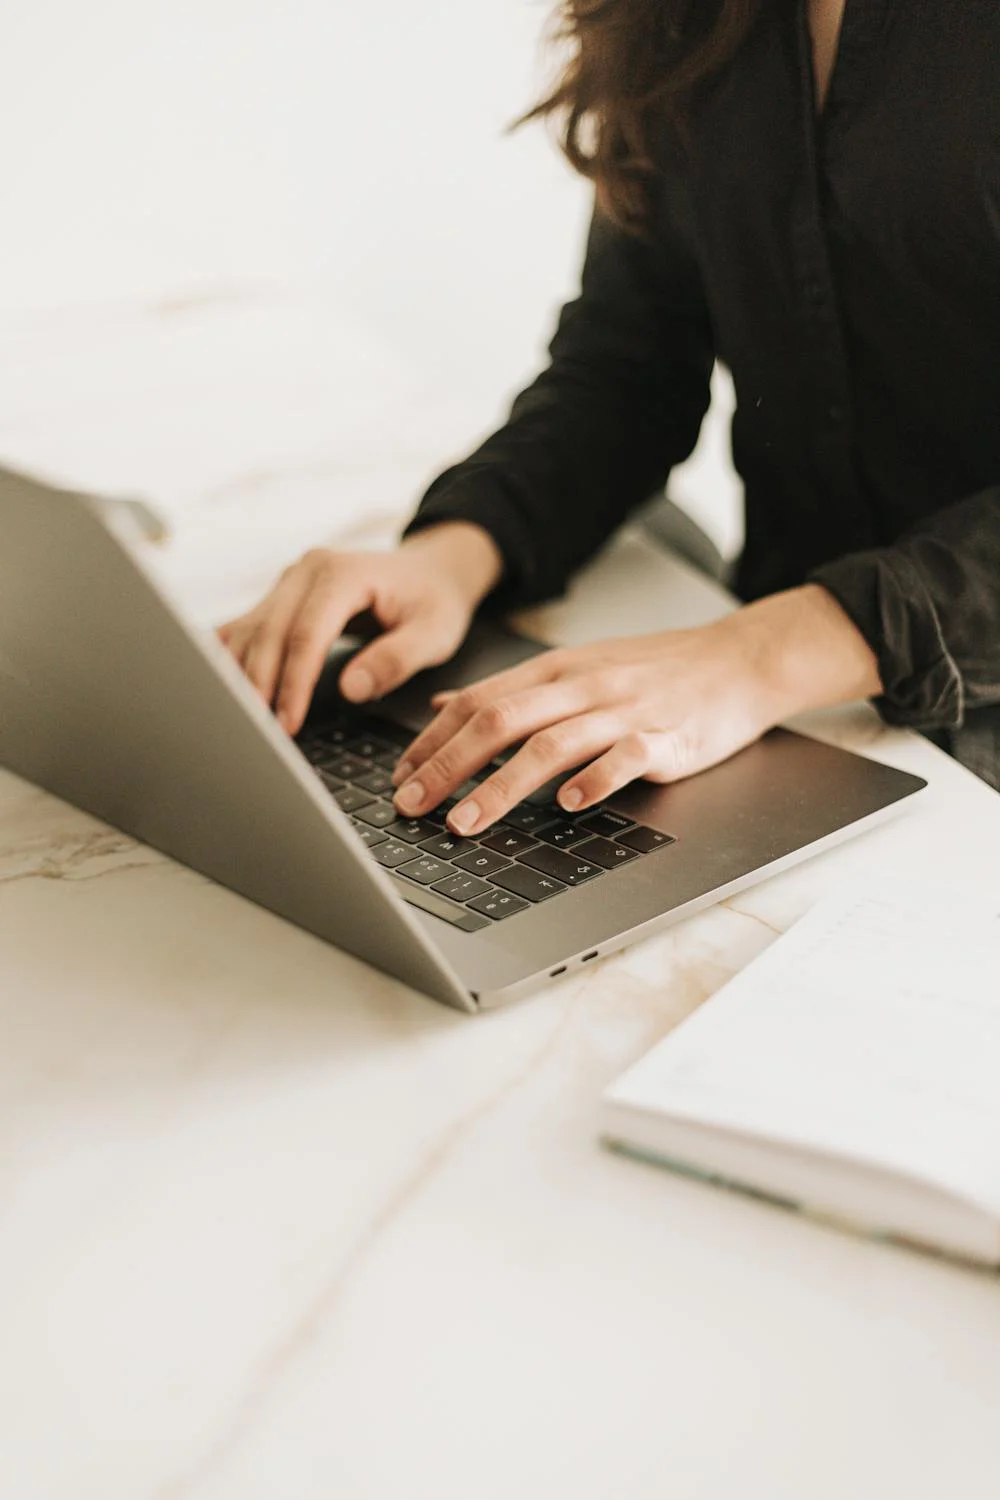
{"type": "Point", "coordinates": [633, 63]}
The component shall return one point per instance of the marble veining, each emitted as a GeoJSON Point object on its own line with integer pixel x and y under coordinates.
{"type": "Point", "coordinates": [71, 858]}
{"type": "Point", "coordinates": [296, 1340]}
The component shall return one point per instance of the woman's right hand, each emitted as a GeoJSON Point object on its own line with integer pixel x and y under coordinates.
{"type": "Point", "coordinates": [424, 595]}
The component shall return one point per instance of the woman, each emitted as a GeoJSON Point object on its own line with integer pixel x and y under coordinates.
{"type": "Point", "coordinates": [810, 191]}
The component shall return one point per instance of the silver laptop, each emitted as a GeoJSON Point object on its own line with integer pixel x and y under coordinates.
{"type": "Point", "coordinates": [109, 699]}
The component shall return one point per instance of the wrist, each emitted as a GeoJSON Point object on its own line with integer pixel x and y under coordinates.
{"type": "Point", "coordinates": [806, 652]}
{"type": "Point", "coordinates": [465, 552]}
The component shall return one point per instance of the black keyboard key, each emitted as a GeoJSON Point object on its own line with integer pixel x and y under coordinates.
{"type": "Point", "coordinates": [350, 800]}
{"type": "Point", "coordinates": [499, 904]}
{"type": "Point", "coordinates": [377, 781]}
{"type": "Point", "coordinates": [563, 866]}
{"type": "Point", "coordinates": [425, 871]}
{"type": "Point", "coordinates": [605, 853]}
{"type": "Point", "coordinates": [392, 854]}
{"type": "Point", "coordinates": [370, 837]}
{"type": "Point", "coordinates": [461, 887]}
{"type": "Point", "coordinates": [545, 796]}
{"type": "Point", "coordinates": [349, 767]}
{"type": "Point", "coordinates": [325, 759]}
{"type": "Point", "coordinates": [414, 830]}
{"type": "Point", "coordinates": [465, 790]}
{"type": "Point", "coordinates": [331, 782]}
{"type": "Point", "coordinates": [527, 819]}
{"type": "Point", "coordinates": [530, 884]}
{"type": "Point", "coordinates": [447, 845]}
{"type": "Point", "coordinates": [507, 841]}
{"type": "Point", "coordinates": [440, 906]}
{"type": "Point", "coordinates": [645, 840]}
{"type": "Point", "coordinates": [563, 834]}
{"type": "Point", "coordinates": [387, 760]}
{"type": "Point", "coordinates": [482, 862]}
{"type": "Point", "coordinates": [367, 747]}
{"type": "Point", "coordinates": [331, 738]}
{"type": "Point", "coordinates": [378, 815]}
{"type": "Point", "coordinates": [608, 824]}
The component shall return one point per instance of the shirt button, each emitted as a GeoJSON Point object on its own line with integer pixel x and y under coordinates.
{"type": "Point", "coordinates": [835, 412]}
{"type": "Point", "coordinates": [814, 292]}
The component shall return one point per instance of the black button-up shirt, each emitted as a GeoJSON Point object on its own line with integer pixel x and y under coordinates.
{"type": "Point", "coordinates": [847, 270]}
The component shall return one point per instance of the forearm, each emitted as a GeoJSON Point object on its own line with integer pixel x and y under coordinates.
{"type": "Point", "coordinates": [466, 552]}
{"type": "Point", "coordinates": [597, 432]}
{"type": "Point", "coordinates": [802, 651]}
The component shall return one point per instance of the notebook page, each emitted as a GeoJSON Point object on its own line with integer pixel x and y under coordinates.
{"type": "Point", "coordinates": [870, 1031]}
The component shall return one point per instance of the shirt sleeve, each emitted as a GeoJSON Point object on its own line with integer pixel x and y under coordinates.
{"type": "Point", "coordinates": [929, 607]}
{"type": "Point", "coordinates": [596, 434]}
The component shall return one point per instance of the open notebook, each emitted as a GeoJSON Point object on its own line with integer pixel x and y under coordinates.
{"type": "Point", "coordinates": [853, 1071]}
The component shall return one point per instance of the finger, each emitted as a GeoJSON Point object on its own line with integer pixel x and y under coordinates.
{"type": "Point", "coordinates": [424, 640]}
{"type": "Point", "coordinates": [263, 647]}
{"type": "Point", "coordinates": [663, 757]}
{"type": "Point", "coordinates": [463, 705]}
{"type": "Point", "coordinates": [548, 754]}
{"type": "Point", "coordinates": [238, 622]}
{"type": "Point", "coordinates": [235, 634]}
{"type": "Point", "coordinates": [491, 729]}
{"type": "Point", "coordinates": [320, 620]}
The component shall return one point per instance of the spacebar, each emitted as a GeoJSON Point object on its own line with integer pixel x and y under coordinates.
{"type": "Point", "coordinates": [440, 906]}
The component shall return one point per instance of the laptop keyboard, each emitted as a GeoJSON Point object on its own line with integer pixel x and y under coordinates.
{"type": "Point", "coordinates": [537, 853]}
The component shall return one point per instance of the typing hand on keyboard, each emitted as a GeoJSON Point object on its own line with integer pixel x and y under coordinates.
{"type": "Point", "coordinates": [423, 596]}
{"type": "Point", "coordinates": [539, 851]}
{"type": "Point", "coordinates": [661, 706]}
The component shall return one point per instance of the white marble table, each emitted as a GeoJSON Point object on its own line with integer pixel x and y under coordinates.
{"type": "Point", "coordinates": [273, 1227]}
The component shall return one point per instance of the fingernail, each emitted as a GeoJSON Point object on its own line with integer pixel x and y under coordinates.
{"type": "Point", "coordinates": [464, 817]}
{"type": "Point", "coordinates": [402, 773]}
{"type": "Point", "coordinates": [410, 798]}
{"type": "Point", "coordinates": [358, 685]}
{"type": "Point", "coordinates": [571, 798]}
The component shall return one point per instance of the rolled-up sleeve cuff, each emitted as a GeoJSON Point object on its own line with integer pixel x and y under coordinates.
{"type": "Point", "coordinates": [484, 496]}
{"type": "Point", "coordinates": [884, 595]}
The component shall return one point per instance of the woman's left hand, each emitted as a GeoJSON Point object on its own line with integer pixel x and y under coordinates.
{"type": "Point", "coordinates": [661, 706]}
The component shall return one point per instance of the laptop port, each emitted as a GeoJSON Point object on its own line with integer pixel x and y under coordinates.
{"type": "Point", "coordinates": [588, 956]}
{"type": "Point", "coordinates": [554, 973]}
